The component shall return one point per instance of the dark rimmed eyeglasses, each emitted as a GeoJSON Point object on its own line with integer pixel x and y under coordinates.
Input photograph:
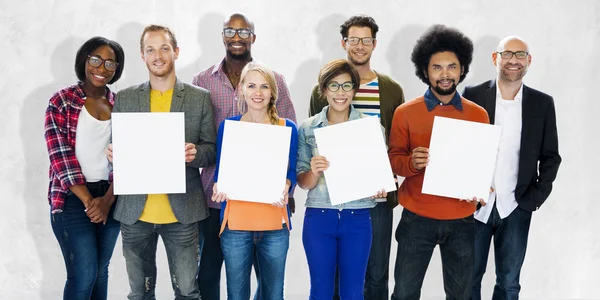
{"type": "Point", "coordinates": [243, 33]}
{"type": "Point", "coordinates": [334, 86]}
{"type": "Point", "coordinates": [367, 41]}
{"type": "Point", "coordinates": [509, 54]}
{"type": "Point", "coordinates": [97, 61]}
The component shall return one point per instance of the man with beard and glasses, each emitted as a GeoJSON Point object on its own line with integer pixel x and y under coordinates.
{"type": "Point", "coordinates": [441, 56]}
{"type": "Point", "coordinates": [527, 164]}
{"type": "Point", "coordinates": [377, 95]}
{"type": "Point", "coordinates": [222, 81]}
{"type": "Point", "coordinates": [173, 217]}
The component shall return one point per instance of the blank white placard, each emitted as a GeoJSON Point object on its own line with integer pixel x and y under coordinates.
{"type": "Point", "coordinates": [462, 158]}
{"type": "Point", "coordinates": [254, 161]}
{"type": "Point", "coordinates": [148, 153]}
{"type": "Point", "coordinates": [358, 162]}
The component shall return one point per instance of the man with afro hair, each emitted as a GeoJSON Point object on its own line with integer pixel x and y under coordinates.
{"type": "Point", "coordinates": [441, 57]}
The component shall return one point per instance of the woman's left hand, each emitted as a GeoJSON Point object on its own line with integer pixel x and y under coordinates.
{"type": "Point", "coordinates": [380, 194]}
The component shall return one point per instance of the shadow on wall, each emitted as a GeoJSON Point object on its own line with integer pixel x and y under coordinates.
{"type": "Point", "coordinates": [211, 46]}
{"type": "Point", "coordinates": [482, 67]}
{"type": "Point", "coordinates": [135, 71]}
{"type": "Point", "coordinates": [398, 57]}
{"type": "Point", "coordinates": [328, 36]}
{"type": "Point", "coordinates": [35, 188]}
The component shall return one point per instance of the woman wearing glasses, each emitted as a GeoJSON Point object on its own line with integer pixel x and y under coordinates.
{"type": "Point", "coordinates": [77, 130]}
{"type": "Point", "coordinates": [334, 236]}
{"type": "Point", "coordinates": [256, 229]}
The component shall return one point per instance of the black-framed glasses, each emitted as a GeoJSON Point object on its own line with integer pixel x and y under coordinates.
{"type": "Point", "coordinates": [509, 54]}
{"type": "Point", "coordinates": [334, 86]}
{"type": "Point", "coordinates": [97, 61]}
{"type": "Point", "coordinates": [243, 33]}
{"type": "Point", "coordinates": [367, 41]}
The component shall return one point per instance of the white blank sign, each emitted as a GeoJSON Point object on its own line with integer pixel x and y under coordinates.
{"type": "Point", "coordinates": [358, 162]}
{"type": "Point", "coordinates": [254, 161]}
{"type": "Point", "coordinates": [462, 158]}
{"type": "Point", "coordinates": [148, 153]}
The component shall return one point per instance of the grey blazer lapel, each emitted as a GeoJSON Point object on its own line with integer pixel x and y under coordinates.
{"type": "Point", "coordinates": [144, 99]}
{"type": "Point", "coordinates": [178, 95]}
{"type": "Point", "coordinates": [490, 101]}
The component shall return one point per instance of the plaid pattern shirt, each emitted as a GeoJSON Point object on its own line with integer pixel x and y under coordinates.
{"type": "Point", "coordinates": [224, 99]}
{"type": "Point", "coordinates": [61, 119]}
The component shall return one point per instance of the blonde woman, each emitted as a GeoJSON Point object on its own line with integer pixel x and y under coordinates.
{"type": "Point", "coordinates": [250, 229]}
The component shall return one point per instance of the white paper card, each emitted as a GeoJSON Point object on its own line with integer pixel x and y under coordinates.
{"type": "Point", "coordinates": [462, 158]}
{"type": "Point", "coordinates": [358, 162]}
{"type": "Point", "coordinates": [148, 153]}
{"type": "Point", "coordinates": [254, 161]}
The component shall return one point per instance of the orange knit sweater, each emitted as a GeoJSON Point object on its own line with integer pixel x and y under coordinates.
{"type": "Point", "coordinates": [411, 128]}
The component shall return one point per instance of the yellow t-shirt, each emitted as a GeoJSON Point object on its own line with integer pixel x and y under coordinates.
{"type": "Point", "coordinates": [158, 209]}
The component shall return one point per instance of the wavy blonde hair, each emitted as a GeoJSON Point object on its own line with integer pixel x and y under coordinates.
{"type": "Point", "coordinates": [270, 78]}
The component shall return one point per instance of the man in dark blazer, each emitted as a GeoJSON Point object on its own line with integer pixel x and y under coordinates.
{"type": "Point", "coordinates": [526, 166]}
{"type": "Point", "coordinates": [173, 217]}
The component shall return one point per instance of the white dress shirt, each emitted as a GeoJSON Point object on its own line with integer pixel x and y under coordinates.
{"type": "Point", "coordinates": [504, 182]}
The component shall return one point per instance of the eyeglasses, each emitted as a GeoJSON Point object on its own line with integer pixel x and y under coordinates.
{"type": "Point", "coordinates": [367, 41]}
{"type": "Point", "coordinates": [97, 61]}
{"type": "Point", "coordinates": [334, 86]}
{"type": "Point", "coordinates": [509, 54]}
{"type": "Point", "coordinates": [243, 33]}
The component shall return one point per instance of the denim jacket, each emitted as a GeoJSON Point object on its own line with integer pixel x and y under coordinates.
{"type": "Point", "coordinates": [318, 197]}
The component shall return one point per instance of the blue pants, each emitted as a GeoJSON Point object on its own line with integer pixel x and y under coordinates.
{"type": "Point", "coordinates": [337, 239]}
{"type": "Point", "coordinates": [86, 247]}
{"type": "Point", "coordinates": [510, 242]}
{"type": "Point", "coordinates": [211, 262]}
{"type": "Point", "coordinates": [181, 245]}
{"type": "Point", "coordinates": [417, 236]}
{"type": "Point", "coordinates": [240, 248]}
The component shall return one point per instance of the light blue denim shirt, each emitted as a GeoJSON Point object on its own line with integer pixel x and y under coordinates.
{"type": "Point", "coordinates": [318, 197]}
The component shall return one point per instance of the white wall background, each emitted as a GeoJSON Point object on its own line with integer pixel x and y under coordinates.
{"type": "Point", "coordinates": [40, 38]}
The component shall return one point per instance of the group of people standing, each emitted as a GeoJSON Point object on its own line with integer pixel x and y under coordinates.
{"type": "Point", "coordinates": [347, 246]}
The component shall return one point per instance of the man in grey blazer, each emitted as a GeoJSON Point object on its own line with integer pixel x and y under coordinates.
{"type": "Point", "coordinates": [174, 217]}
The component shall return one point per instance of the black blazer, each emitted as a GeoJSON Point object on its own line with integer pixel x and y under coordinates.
{"type": "Point", "coordinates": [539, 141]}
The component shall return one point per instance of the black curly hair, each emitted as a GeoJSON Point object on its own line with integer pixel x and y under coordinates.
{"type": "Point", "coordinates": [441, 38]}
{"type": "Point", "coordinates": [359, 21]}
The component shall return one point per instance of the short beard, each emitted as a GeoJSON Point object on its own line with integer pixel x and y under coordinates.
{"type": "Point", "coordinates": [358, 63]}
{"type": "Point", "coordinates": [447, 92]}
{"type": "Point", "coordinates": [243, 56]}
{"type": "Point", "coordinates": [509, 78]}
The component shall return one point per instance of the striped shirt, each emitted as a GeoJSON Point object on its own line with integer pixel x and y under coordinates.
{"type": "Point", "coordinates": [224, 99]}
{"type": "Point", "coordinates": [366, 99]}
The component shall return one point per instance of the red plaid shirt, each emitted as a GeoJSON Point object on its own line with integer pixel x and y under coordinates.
{"type": "Point", "coordinates": [61, 119]}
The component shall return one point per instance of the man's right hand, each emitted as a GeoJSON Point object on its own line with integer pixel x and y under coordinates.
{"type": "Point", "coordinates": [420, 158]}
{"type": "Point", "coordinates": [318, 164]}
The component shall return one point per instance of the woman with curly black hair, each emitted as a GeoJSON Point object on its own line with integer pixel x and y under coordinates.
{"type": "Point", "coordinates": [441, 57]}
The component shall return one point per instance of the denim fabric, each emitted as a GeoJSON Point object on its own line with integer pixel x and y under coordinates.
{"type": "Point", "coordinates": [139, 249]}
{"type": "Point", "coordinates": [318, 197]}
{"type": "Point", "coordinates": [86, 247]}
{"type": "Point", "coordinates": [239, 250]}
{"type": "Point", "coordinates": [417, 236]}
{"type": "Point", "coordinates": [211, 261]}
{"type": "Point", "coordinates": [337, 238]}
{"type": "Point", "coordinates": [510, 243]}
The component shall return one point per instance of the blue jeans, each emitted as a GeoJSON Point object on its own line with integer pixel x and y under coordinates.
{"type": "Point", "coordinates": [211, 261]}
{"type": "Point", "coordinates": [86, 247]}
{"type": "Point", "coordinates": [139, 249]}
{"type": "Point", "coordinates": [417, 236]}
{"type": "Point", "coordinates": [510, 242]}
{"type": "Point", "coordinates": [270, 249]}
{"type": "Point", "coordinates": [337, 239]}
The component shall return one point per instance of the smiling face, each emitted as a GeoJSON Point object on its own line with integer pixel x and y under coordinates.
{"type": "Point", "coordinates": [158, 53]}
{"type": "Point", "coordinates": [444, 72]}
{"type": "Point", "coordinates": [236, 47]}
{"type": "Point", "coordinates": [257, 92]}
{"type": "Point", "coordinates": [512, 69]}
{"type": "Point", "coordinates": [339, 100]}
{"type": "Point", "coordinates": [99, 76]}
{"type": "Point", "coordinates": [359, 54]}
